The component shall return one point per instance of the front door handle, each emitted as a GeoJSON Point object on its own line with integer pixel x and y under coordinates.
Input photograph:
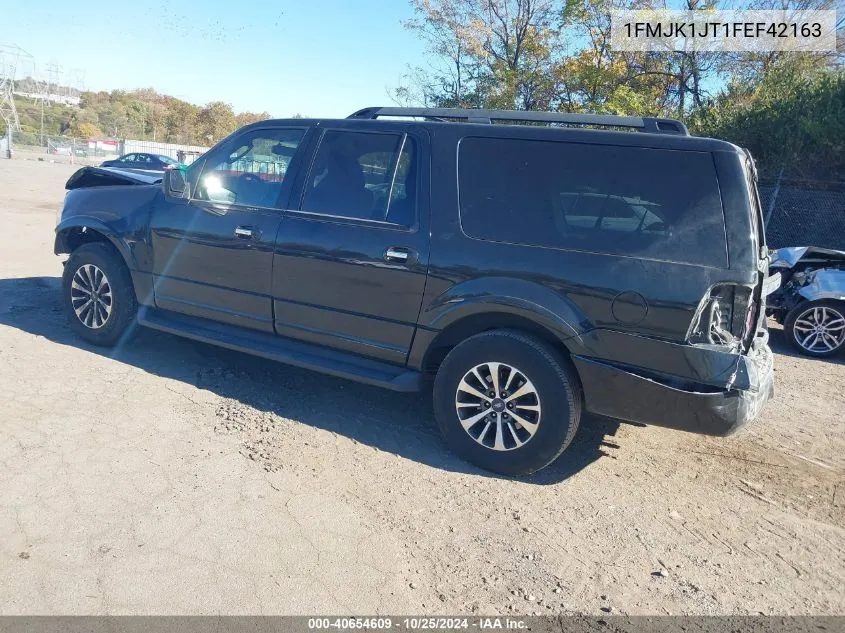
{"type": "Point", "coordinates": [398, 254]}
{"type": "Point", "coordinates": [244, 232]}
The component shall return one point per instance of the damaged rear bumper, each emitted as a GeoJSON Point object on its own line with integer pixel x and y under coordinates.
{"type": "Point", "coordinates": [624, 394]}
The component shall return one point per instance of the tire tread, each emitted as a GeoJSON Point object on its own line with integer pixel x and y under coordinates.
{"type": "Point", "coordinates": [121, 281]}
{"type": "Point", "coordinates": [565, 374]}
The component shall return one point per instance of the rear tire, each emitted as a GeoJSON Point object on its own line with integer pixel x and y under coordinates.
{"type": "Point", "coordinates": [828, 340]}
{"type": "Point", "coordinates": [523, 431]}
{"type": "Point", "coordinates": [97, 294]}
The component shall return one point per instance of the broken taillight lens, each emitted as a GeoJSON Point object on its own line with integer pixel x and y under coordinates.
{"type": "Point", "coordinates": [724, 317]}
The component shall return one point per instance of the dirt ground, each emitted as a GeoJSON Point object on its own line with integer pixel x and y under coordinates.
{"type": "Point", "coordinates": [172, 477]}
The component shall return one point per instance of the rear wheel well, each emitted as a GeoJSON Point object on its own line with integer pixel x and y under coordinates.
{"type": "Point", "coordinates": [468, 326]}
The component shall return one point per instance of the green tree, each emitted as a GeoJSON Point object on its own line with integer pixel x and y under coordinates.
{"type": "Point", "coordinates": [215, 121]}
{"type": "Point", "coordinates": [793, 118]}
{"type": "Point", "coordinates": [484, 53]}
{"type": "Point", "coordinates": [180, 123]}
{"type": "Point", "coordinates": [85, 130]}
{"type": "Point", "coordinates": [245, 118]}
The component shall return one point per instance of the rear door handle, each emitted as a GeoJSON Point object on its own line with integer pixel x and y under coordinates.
{"type": "Point", "coordinates": [399, 254]}
{"type": "Point", "coordinates": [244, 232]}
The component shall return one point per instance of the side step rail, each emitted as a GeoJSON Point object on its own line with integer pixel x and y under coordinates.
{"type": "Point", "coordinates": [283, 350]}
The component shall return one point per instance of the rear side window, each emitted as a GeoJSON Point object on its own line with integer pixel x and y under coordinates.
{"type": "Point", "coordinates": [363, 175]}
{"type": "Point", "coordinates": [651, 203]}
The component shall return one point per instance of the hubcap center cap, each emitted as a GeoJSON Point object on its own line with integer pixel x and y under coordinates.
{"type": "Point", "coordinates": [498, 405]}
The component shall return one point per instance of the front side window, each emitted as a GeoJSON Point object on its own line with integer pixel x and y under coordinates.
{"type": "Point", "coordinates": [249, 169]}
{"type": "Point", "coordinates": [363, 175]}
{"type": "Point", "coordinates": [650, 203]}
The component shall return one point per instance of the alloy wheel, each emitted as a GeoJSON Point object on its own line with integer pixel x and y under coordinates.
{"type": "Point", "coordinates": [498, 406]}
{"type": "Point", "coordinates": [819, 329]}
{"type": "Point", "coordinates": [91, 296]}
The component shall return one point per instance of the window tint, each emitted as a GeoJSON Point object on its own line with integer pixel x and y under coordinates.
{"type": "Point", "coordinates": [652, 203]}
{"type": "Point", "coordinates": [250, 169]}
{"type": "Point", "coordinates": [129, 158]}
{"type": "Point", "coordinates": [352, 176]}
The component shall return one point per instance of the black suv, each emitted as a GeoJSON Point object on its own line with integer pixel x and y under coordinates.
{"type": "Point", "coordinates": [532, 270]}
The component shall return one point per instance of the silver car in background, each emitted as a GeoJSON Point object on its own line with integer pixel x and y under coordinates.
{"type": "Point", "coordinates": [810, 303]}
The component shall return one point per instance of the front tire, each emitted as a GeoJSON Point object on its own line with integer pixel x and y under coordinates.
{"type": "Point", "coordinates": [816, 328]}
{"type": "Point", "coordinates": [97, 294]}
{"type": "Point", "coordinates": [507, 402]}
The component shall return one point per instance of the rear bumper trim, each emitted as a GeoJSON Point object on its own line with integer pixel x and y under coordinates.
{"type": "Point", "coordinates": [619, 393]}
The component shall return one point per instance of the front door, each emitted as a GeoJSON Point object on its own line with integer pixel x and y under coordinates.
{"type": "Point", "coordinates": [213, 254]}
{"type": "Point", "coordinates": [351, 261]}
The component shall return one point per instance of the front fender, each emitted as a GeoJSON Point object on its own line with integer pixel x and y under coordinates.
{"type": "Point", "coordinates": [508, 295]}
{"type": "Point", "coordinates": [88, 223]}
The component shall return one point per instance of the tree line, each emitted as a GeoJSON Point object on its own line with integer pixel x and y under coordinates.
{"type": "Point", "coordinates": [553, 55]}
{"type": "Point", "coordinates": [140, 114]}
{"type": "Point", "coordinates": [787, 108]}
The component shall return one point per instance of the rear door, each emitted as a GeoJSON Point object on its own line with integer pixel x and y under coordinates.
{"type": "Point", "coordinates": [351, 260]}
{"type": "Point", "coordinates": [213, 254]}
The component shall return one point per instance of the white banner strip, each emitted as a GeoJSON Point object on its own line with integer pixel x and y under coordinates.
{"type": "Point", "coordinates": [723, 31]}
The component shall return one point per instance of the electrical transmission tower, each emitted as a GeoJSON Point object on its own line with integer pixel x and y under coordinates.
{"type": "Point", "coordinates": [54, 76]}
{"type": "Point", "coordinates": [76, 83]}
{"type": "Point", "coordinates": [10, 57]}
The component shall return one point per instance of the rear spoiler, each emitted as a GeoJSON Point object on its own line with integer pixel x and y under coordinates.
{"type": "Point", "coordinates": [109, 177]}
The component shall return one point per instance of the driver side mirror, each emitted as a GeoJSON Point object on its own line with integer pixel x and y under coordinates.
{"type": "Point", "coordinates": [174, 184]}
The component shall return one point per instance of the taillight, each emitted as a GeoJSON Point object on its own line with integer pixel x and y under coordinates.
{"type": "Point", "coordinates": [724, 317]}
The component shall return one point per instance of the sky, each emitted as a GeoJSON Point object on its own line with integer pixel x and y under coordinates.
{"type": "Point", "coordinates": [320, 58]}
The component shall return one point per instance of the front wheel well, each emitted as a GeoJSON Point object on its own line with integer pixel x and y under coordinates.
{"type": "Point", "coordinates": [474, 324]}
{"type": "Point", "coordinates": [77, 236]}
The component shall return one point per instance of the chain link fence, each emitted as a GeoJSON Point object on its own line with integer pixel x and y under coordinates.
{"type": "Point", "coordinates": [64, 148]}
{"type": "Point", "coordinates": [804, 213]}
{"type": "Point", "coordinates": [93, 151]}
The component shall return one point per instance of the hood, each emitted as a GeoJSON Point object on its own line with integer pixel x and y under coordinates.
{"type": "Point", "coordinates": [788, 256]}
{"type": "Point", "coordinates": [110, 177]}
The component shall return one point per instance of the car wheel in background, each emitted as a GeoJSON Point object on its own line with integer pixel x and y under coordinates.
{"type": "Point", "coordinates": [816, 328]}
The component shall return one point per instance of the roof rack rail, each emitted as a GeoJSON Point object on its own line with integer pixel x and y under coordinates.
{"type": "Point", "coordinates": [642, 124]}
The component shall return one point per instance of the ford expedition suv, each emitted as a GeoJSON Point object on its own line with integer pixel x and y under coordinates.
{"type": "Point", "coordinates": [533, 271]}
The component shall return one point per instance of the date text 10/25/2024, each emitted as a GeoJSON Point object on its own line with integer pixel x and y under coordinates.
{"type": "Point", "coordinates": [417, 623]}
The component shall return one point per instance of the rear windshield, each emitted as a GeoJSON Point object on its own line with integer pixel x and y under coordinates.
{"type": "Point", "coordinates": [650, 203]}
